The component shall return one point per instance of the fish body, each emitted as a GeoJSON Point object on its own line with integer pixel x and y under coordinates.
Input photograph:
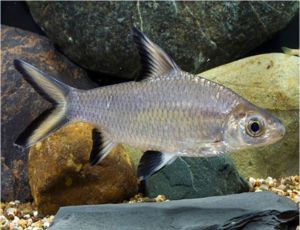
{"type": "Point", "coordinates": [167, 114]}
{"type": "Point", "coordinates": [180, 113]}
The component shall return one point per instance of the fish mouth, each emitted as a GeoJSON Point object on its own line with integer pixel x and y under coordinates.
{"type": "Point", "coordinates": [280, 129]}
{"type": "Point", "coordinates": [279, 132]}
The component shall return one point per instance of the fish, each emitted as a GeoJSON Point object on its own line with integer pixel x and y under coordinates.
{"type": "Point", "coordinates": [166, 112]}
{"type": "Point", "coordinates": [291, 52]}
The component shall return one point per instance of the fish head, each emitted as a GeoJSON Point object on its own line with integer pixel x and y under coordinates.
{"type": "Point", "coordinates": [248, 126]}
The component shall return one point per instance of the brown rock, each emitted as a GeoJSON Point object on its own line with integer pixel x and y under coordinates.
{"type": "Point", "coordinates": [59, 172]}
{"type": "Point", "coordinates": [21, 104]}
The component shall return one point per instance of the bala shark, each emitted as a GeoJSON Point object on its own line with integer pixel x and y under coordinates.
{"type": "Point", "coordinates": [168, 113]}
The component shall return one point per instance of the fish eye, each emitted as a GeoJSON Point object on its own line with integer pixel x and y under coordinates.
{"type": "Point", "coordinates": [254, 127]}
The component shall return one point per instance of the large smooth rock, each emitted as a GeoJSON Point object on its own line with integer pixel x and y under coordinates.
{"type": "Point", "coordinates": [196, 177]}
{"type": "Point", "coordinates": [21, 104]}
{"type": "Point", "coordinates": [198, 35]}
{"type": "Point", "coordinates": [270, 81]}
{"type": "Point", "coordinates": [250, 211]}
{"type": "Point", "coordinates": [60, 174]}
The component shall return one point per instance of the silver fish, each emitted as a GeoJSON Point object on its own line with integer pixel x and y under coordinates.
{"type": "Point", "coordinates": [168, 113]}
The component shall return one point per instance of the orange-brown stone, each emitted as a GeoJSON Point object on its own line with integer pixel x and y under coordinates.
{"type": "Point", "coordinates": [60, 174]}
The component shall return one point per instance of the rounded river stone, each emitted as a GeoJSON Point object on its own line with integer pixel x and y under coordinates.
{"type": "Point", "coordinates": [198, 35]}
{"type": "Point", "coordinates": [60, 173]}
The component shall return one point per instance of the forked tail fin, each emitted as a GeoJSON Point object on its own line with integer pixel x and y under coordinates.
{"type": "Point", "coordinates": [52, 90]}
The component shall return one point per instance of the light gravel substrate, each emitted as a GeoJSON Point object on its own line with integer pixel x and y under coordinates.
{"type": "Point", "coordinates": [15, 215]}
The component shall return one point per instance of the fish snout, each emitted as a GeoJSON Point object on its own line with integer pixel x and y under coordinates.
{"type": "Point", "coordinates": [280, 128]}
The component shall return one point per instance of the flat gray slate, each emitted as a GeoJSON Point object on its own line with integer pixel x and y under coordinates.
{"type": "Point", "coordinates": [190, 214]}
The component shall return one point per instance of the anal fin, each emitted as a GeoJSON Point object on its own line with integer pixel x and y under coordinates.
{"type": "Point", "coordinates": [101, 147]}
{"type": "Point", "coordinates": [153, 161]}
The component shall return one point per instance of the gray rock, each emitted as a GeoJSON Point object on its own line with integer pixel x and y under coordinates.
{"type": "Point", "coordinates": [196, 177]}
{"type": "Point", "coordinates": [198, 35]}
{"type": "Point", "coordinates": [206, 213]}
{"type": "Point", "coordinates": [21, 104]}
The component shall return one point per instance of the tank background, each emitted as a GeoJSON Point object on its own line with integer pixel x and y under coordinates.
{"type": "Point", "coordinates": [17, 14]}
{"type": "Point", "coordinates": [288, 37]}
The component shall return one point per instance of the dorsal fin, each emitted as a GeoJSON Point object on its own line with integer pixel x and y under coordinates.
{"type": "Point", "coordinates": [155, 62]}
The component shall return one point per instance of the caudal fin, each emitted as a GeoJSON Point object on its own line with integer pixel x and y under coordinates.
{"type": "Point", "coordinates": [52, 90]}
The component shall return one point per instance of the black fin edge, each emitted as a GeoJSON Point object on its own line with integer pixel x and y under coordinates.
{"type": "Point", "coordinates": [26, 134]}
{"type": "Point", "coordinates": [139, 39]}
{"type": "Point", "coordinates": [150, 53]}
{"type": "Point", "coordinates": [95, 154]}
{"type": "Point", "coordinates": [148, 162]}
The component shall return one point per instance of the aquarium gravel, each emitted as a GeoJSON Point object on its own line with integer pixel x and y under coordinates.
{"type": "Point", "coordinates": [286, 186]}
{"type": "Point", "coordinates": [15, 215]}
{"type": "Point", "coordinates": [140, 198]}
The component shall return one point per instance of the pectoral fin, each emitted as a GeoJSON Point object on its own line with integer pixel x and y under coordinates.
{"type": "Point", "coordinates": [152, 161]}
{"type": "Point", "coordinates": [101, 147]}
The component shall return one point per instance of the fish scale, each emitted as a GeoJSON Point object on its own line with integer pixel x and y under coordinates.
{"type": "Point", "coordinates": [174, 112]}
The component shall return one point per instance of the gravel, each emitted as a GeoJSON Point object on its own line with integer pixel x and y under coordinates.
{"type": "Point", "coordinates": [287, 186]}
{"type": "Point", "coordinates": [15, 215]}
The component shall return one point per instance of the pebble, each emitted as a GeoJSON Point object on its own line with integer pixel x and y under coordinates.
{"type": "Point", "coordinates": [46, 225]}
{"type": "Point", "coordinates": [286, 186]}
{"type": "Point", "coordinates": [27, 216]}
{"type": "Point", "coordinates": [160, 198]}
{"type": "Point", "coordinates": [15, 215]}
{"type": "Point", "coordinates": [22, 223]}
{"type": "Point", "coordinates": [3, 222]}
{"type": "Point", "coordinates": [139, 198]}
{"type": "Point", "coordinates": [16, 220]}
{"type": "Point", "coordinates": [29, 223]}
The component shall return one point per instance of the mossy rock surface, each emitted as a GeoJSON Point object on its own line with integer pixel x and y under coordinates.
{"type": "Point", "coordinates": [270, 81]}
{"type": "Point", "coordinates": [60, 174]}
{"type": "Point", "coordinates": [197, 34]}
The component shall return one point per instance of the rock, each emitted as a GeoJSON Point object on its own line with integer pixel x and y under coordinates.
{"type": "Point", "coordinates": [198, 35]}
{"type": "Point", "coordinates": [270, 81]}
{"type": "Point", "coordinates": [7, 181]}
{"type": "Point", "coordinates": [196, 177]}
{"type": "Point", "coordinates": [60, 174]}
{"type": "Point", "coordinates": [21, 104]}
{"type": "Point", "coordinates": [261, 210]}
